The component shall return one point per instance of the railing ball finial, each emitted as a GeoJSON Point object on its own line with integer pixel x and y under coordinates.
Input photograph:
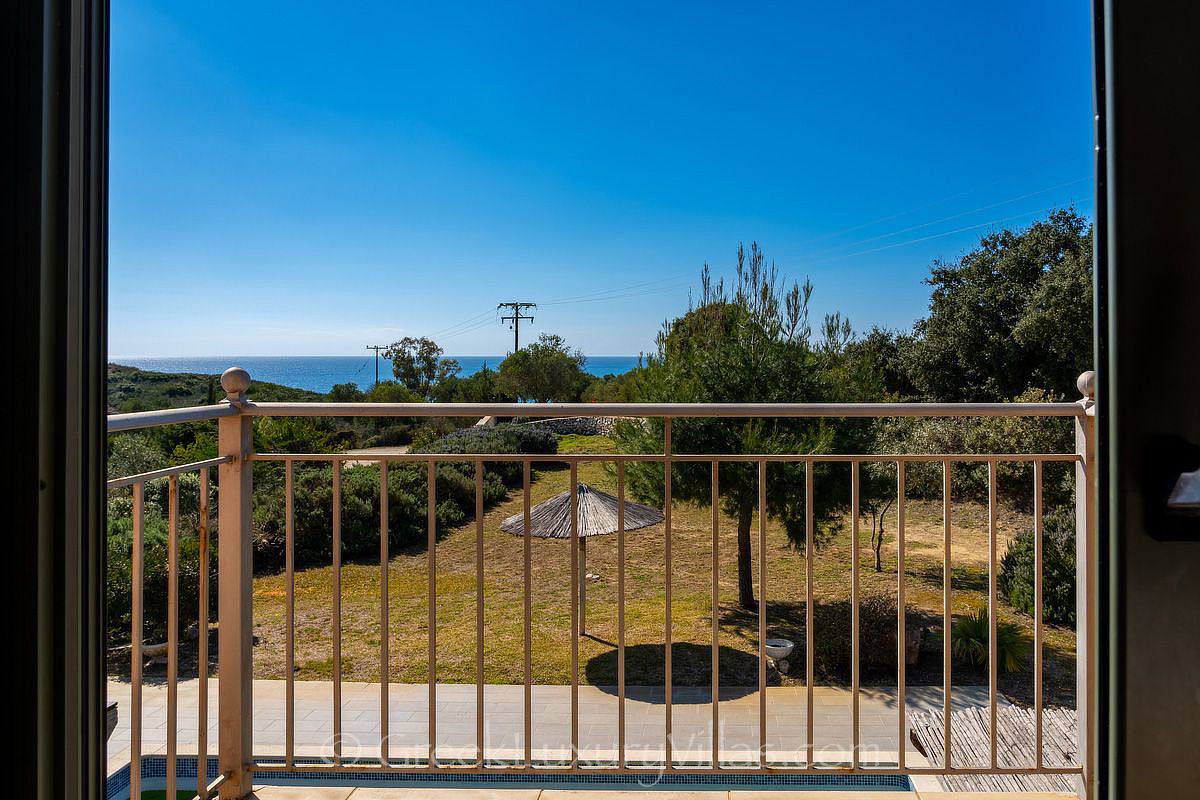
{"type": "Point", "coordinates": [1086, 383]}
{"type": "Point", "coordinates": [235, 381]}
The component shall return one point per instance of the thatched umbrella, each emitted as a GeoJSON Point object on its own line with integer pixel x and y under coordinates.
{"type": "Point", "coordinates": [597, 517]}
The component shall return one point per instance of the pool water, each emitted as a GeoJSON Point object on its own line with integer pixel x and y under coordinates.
{"type": "Point", "coordinates": [154, 773]}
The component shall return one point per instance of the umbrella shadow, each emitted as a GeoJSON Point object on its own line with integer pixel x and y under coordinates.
{"type": "Point", "coordinates": [691, 666]}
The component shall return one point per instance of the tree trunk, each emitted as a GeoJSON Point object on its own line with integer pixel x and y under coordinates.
{"type": "Point", "coordinates": [745, 579]}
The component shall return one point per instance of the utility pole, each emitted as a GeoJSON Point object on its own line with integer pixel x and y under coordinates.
{"type": "Point", "coordinates": [376, 348]}
{"type": "Point", "coordinates": [515, 318]}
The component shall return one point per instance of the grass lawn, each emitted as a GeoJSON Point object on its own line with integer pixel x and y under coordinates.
{"type": "Point", "coordinates": [644, 607]}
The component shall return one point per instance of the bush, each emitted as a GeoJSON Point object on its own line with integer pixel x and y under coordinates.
{"type": "Point", "coordinates": [407, 493]}
{"type": "Point", "coordinates": [876, 633]}
{"type": "Point", "coordinates": [506, 439]}
{"type": "Point", "coordinates": [1015, 582]}
{"type": "Point", "coordinates": [969, 642]}
{"type": "Point", "coordinates": [132, 453]}
{"type": "Point", "coordinates": [118, 582]}
{"type": "Point", "coordinates": [391, 392]}
{"type": "Point", "coordinates": [390, 435]}
{"type": "Point", "coordinates": [1014, 479]}
{"type": "Point", "coordinates": [346, 393]}
{"type": "Point", "coordinates": [614, 388]}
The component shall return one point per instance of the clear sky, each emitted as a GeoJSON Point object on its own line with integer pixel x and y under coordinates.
{"type": "Point", "coordinates": [309, 178]}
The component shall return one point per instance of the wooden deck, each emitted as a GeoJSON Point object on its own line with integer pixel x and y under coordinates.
{"type": "Point", "coordinates": [970, 745]}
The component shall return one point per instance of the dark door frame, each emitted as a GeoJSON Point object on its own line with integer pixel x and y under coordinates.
{"type": "Point", "coordinates": [56, 170]}
{"type": "Point", "coordinates": [1148, 359]}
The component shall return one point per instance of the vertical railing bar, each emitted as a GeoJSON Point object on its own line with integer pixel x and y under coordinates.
{"type": "Point", "coordinates": [431, 557]}
{"type": "Point", "coordinates": [479, 612]}
{"type": "Point", "coordinates": [854, 633]}
{"type": "Point", "coordinates": [528, 622]}
{"type": "Point", "coordinates": [809, 637]}
{"type": "Point", "coordinates": [901, 619]}
{"type": "Point", "coordinates": [993, 656]}
{"type": "Point", "coordinates": [668, 668]}
{"type": "Point", "coordinates": [1037, 611]}
{"type": "Point", "coordinates": [337, 612]}
{"type": "Point", "coordinates": [384, 566]}
{"type": "Point", "coordinates": [202, 643]}
{"type": "Point", "coordinates": [172, 633]}
{"type": "Point", "coordinates": [289, 559]}
{"type": "Point", "coordinates": [621, 614]}
{"type": "Point", "coordinates": [947, 612]}
{"type": "Point", "coordinates": [762, 614]}
{"type": "Point", "coordinates": [574, 615]}
{"type": "Point", "coordinates": [716, 615]}
{"type": "Point", "coordinates": [135, 644]}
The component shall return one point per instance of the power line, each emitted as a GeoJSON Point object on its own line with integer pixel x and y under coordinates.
{"type": "Point", "coordinates": [898, 214]}
{"type": "Point", "coordinates": [939, 235]}
{"type": "Point", "coordinates": [663, 285]}
{"type": "Point", "coordinates": [581, 297]}
{"type": "Point", "coordinates": [617, 293]}
{"type": "Point", "coordinates": [472, 329]}
{"type": "Point", "coordinates": [911, 228]}
{"type": "Point", "coordinates": [660, 290]}
{"type": "Point", "coordinates": [464, 323]}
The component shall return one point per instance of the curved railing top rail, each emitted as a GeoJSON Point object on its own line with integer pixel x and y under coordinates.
{"type": "Point", "coordinates": [169, 416]}
{"type": "Point", "coordinates": [150, 419]}
{"type": "Point", "coordinates": [235, 381]}
{"type": "Point", "coordinates": [662, 409]}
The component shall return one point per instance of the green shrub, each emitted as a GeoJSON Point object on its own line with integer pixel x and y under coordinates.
{"type": "Point", "coordinates": [1015, 581]}
{"type": "Point", "coordinates": [876, 633]}
{"type": "Point", "coordinates": [133, 453]}
{"type": "Point", "coordinates": [391, 392]}
{"type": "Point", "coordinates": [296, 435]}
{"type": "Point", "coordinates": [346, 393]}
{"type": "Point", "coordinates": [119, 577]}
{"type": "Point", "coordinates": [507, 439]}
{"type": "Point", "coordinates": [390, 435]}
{"type": "Point", "coordinates": [969, 642]}
{"type": "Point", "coordinates": [1014, 479]}
{"type": "Point", "coordinates": [407, 495]}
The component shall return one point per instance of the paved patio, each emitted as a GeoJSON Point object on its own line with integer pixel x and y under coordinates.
{"type": "Point", "coordinates": [347, 793]}
{"type": "Point", "coordinates": [504, 721]}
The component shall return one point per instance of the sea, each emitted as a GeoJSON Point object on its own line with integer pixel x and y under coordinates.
{"type": "Point", "coordinates": [320, 373]}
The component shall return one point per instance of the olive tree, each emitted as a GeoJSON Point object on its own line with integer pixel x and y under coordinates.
{"type": "Point", "coordinates": [1013, 314]}
{"type": "Point", "coordinates": [546, 371]}
{"type": "Point", "coordinates": [419, 365]}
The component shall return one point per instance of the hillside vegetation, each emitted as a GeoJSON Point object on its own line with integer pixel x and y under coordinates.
{"type": "Point", "coordinates": [132, 389]}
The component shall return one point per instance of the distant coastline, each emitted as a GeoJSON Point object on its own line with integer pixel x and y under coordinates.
{"type": "Point", "coordinates": [320, 373]}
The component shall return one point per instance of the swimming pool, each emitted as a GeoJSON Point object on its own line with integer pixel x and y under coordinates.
{"type": "Point", "coordinates": [154, 775]}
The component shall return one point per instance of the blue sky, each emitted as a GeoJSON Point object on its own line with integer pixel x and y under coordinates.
{"type": "Point", "coordinates": [304, 178]}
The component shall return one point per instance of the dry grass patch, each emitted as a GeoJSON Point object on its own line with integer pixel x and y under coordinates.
{"type": "Point", "coordinates": [503, 592]}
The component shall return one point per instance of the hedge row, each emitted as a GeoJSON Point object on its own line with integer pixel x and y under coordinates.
{"type": "Point", "coordinates": [313, 507]}
{"type": "Point", "coordinates": [407, 497]}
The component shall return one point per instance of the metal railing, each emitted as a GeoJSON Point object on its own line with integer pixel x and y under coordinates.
{"type": "Point", "coordinates": [138, 485]}
{"type": "Point", "coordinates": [235, 415]}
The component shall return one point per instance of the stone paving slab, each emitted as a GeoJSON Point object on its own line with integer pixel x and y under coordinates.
{"type": "Point", "coordinates": [348, 793]}
{"type": "Point", "coordinates": [645, 720]}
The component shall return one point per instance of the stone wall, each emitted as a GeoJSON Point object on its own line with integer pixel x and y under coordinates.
{"type": "Point", "coordinates": [583, 426]}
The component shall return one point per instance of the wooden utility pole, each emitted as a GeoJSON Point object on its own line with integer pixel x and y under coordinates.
{"type": "Point", "coordinates": [376, 348]}
{"type": "Point", "coordinates": [515, 318]}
